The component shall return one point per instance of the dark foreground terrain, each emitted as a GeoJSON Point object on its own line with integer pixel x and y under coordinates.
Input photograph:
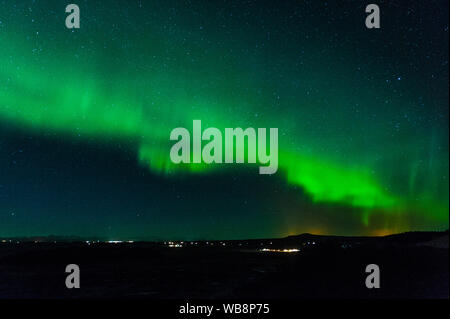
{"type": "Point", "coordinates": [413, 265]}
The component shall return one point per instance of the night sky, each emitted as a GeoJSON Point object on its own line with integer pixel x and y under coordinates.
{"type": "Point", "coordinates": [86, 115]}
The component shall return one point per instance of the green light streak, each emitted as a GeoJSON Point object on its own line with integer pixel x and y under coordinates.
{"type": "Point", "coordinates": [75, 100]}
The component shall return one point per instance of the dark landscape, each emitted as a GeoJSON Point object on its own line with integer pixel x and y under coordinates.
{"type": "Point", "coordinates": [412, 265]}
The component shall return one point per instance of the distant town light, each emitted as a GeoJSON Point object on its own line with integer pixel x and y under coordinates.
{"type": "Point", "coordinates": [293, 250]}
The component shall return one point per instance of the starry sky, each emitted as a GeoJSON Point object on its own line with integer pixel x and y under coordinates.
{"type": "Point", "coordinates": [86, 115]}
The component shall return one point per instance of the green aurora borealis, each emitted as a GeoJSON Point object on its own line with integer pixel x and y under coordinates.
{"type": "Point", "coordinates": [362, 117]}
